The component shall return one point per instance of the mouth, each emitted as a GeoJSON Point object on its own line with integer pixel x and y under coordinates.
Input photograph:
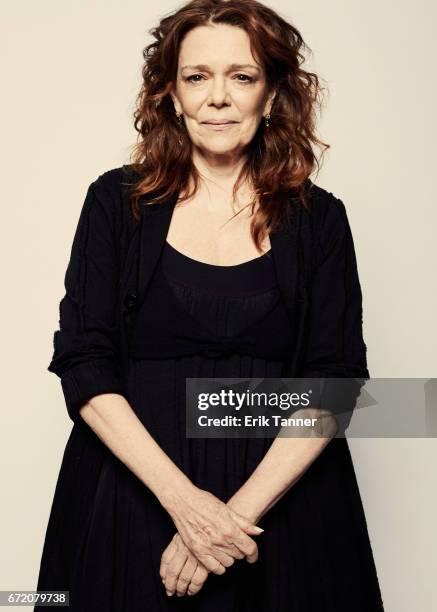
{"type": "Point", "coordinates": [218, 125]}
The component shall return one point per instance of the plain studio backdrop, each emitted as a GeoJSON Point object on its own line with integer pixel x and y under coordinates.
{"type": "Point", "coordinates": [70, 74]}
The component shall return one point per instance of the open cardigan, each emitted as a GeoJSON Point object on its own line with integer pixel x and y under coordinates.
{"type": "Point", "coordinates": [112, 260]}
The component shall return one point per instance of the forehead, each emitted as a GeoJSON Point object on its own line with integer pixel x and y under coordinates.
{"type": "Point", "coordinates": [216, 45]}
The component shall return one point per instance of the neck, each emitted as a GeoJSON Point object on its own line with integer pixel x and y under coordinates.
{"type": "Point", "coordinates": [223, 170]}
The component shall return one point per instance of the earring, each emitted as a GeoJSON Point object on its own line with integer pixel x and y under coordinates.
{"type": "Point", "coordinates": [179, 116]}
{"type": "Point", "coordinates": [267, 118]}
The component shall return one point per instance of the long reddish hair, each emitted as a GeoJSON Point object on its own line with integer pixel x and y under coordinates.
{"type": "Point", "coordinates": [280, 157]}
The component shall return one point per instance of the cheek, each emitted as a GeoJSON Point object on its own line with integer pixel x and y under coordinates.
{"type": "Point", "coordinates": [193, 102]}
{"type": "Point", "coordinates": [251, 118]}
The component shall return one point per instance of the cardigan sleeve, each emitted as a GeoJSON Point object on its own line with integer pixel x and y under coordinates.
{"type": "Point", "coordinates": [86, 345]}
{"type": "Point", "coordinates": [335, 347]}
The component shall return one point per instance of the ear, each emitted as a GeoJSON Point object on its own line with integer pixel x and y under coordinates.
{"type": "Point", "coordinates": [176, 103]}
{"type": "Point", "coordinates": [269, 102]}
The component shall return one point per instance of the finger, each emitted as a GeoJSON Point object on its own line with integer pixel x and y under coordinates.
{"type": "Point", "coordinates": [166, 558]}
{"type": "Point", "coordinates": [222, 556]}
{"type": "Point", "coordinates": [224, 543]}
{"type": "Point", "coordinates": [231, 550]}
{"type": "Point", "coordinates": [211, 564]}
{"type": "Point", "coordinates": [246, 545]}
{"type": "Point", "coordinates": [186, 575]}
{"type": "Point", "coordinates": [174, 568]}
{"type": "Point", "coordinates": [245, 524]}
{"type": "Point", "coordinates": [198, 580]}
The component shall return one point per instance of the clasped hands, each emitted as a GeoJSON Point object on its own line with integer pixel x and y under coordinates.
{"type": "Point", "coordinates": [210, 536]}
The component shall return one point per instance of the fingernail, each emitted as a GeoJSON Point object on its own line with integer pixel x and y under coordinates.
{"type": "Point", "coordinates": [259, 529]}
{"type": "Point", "coordinates": [169, 594]}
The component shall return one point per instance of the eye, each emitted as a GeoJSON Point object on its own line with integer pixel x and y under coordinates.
{"type": "Point", "coordinates": [250, 79]}
{"type": "Point", "coordinates": [193, 78]}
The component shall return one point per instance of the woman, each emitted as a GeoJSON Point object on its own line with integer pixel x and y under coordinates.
{"type": "Point", "coordinates": [164, 283]}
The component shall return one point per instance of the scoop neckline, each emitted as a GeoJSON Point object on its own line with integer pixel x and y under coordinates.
{"type": "Point", "coordinates": [224, 267]}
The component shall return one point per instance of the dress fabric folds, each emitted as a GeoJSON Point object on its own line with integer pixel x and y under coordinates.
{"type": "Point", "coordinates": [107, 531]}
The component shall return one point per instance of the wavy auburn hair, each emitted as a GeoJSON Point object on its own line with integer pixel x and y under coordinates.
{"type": "Point", "coordinates": [280, 158]}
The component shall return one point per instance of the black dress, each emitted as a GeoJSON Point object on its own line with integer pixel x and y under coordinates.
{"type": "Point", "coordinates": [107, 531]}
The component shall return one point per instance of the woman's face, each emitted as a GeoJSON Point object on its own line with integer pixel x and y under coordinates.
{"type": "Point", "coordinates": [218, 79]}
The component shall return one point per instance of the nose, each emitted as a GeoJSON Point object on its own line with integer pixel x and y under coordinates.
{"type": "Point", "coordinates": [218, 94]}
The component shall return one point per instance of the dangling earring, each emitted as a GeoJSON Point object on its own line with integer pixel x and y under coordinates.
{"type": "Point", "coordinates": [267, 118]}
{"type": "Point", "coordinates": [179, 117]}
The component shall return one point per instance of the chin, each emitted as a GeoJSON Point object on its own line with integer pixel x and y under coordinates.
{"type": "Point", "coordinates": [220, 148]}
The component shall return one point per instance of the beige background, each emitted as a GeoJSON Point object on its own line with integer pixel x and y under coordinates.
{"type": "Point", "coordinates": [70, 72]}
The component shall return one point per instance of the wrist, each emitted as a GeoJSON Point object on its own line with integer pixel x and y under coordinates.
{"type": "Point", "coordinates": [174, 496]}
{"type": "Point", "coordinates": [245, 507]}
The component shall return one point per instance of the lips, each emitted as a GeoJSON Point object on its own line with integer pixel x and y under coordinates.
{"type": "Point", "coordinates": [219, 127]}
{"type": "Point", "coordinates": [219, 121]}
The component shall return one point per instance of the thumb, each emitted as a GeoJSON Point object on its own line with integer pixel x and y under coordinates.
{"type": "Point", "coordinates": [246, 525]}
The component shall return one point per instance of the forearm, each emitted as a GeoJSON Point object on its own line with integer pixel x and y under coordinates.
{"type": "Point", "coordinates": [286, 461]}
{"type": "Point", "coordinates": [116, 424]}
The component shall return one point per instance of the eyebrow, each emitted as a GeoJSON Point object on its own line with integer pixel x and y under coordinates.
{"type": "Point", "coordinates": [230, 68]}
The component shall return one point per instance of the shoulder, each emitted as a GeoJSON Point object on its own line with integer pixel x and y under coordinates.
{"type": "Point", "coordinates": [326, 207]}
{"type": "Point", "coordinates": [111, 183]}
{"type": "Point", "coordinates": [110, 197]}
{"type": "Point", "coordinates": [328, 210]}
{"type": "Point", "coordinates": [328, 220]}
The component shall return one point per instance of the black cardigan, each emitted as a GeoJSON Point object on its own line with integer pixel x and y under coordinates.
{"type": "Point", "coordinates": [316, 266]}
